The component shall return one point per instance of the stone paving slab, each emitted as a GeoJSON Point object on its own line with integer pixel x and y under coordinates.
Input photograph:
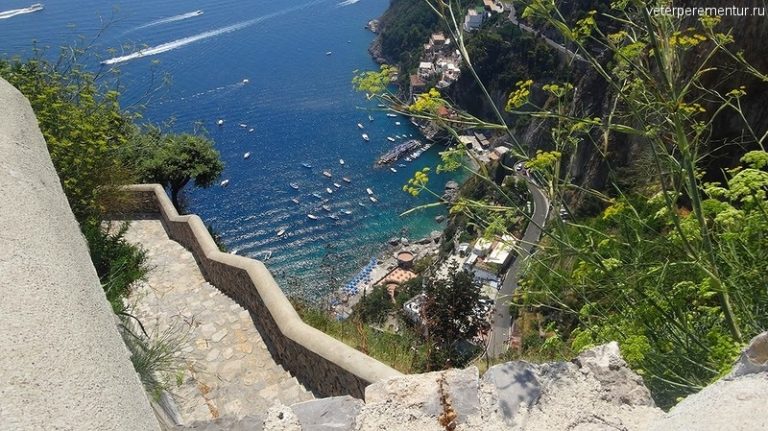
{"type": "Point", "coordinates": [229, 371]}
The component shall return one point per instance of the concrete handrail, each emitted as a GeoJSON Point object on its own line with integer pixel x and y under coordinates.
{"type": "Point", "coordinates": [320, 362]}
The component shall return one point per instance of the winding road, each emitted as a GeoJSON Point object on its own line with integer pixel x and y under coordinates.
{"type": "Point", "coordinates": [502, 322]}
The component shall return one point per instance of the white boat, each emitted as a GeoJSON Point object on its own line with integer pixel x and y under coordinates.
{"type": "Point", "coordinates": [245, 81]}
{"type": "Point", "coordinates": [246, 155]}
{"type": "Point", "coordinates": [370, 192]}
{"type": "Point", "coordinates": [337, 185]}
{"type": "Point", "coordinates": [391, 115]}
{"type": "Point", "coordinates": [373, 199]}
{"type": "Point", "coordinates": [370, 118]}
{"type": "Point", "coordinates": [307, 165]}
{"type": "Point", "coordinates": [281, 232]}
{"type": "Point", "coordinates": [365, 137]}
{"type": "Point", "coordinates": [294, 200]}
{"type": "Point", "coordinates": [294, 186]}
{"type": "Point", "coordinates": [390, 139]}
{"type": "Point", "coordinates": [393, 170]}
{"type": "Point", "coordinates": [225, 183]}
{"type": "Point", "coordinates": [250, 130]}
{"type": "Point", "coordinates": [243, 125]}
{"type": "Point", "coordinates": [361, 204]}
{"type": "Point", "coordinates": [312, 216]}
{"type": "Point", "coordinates": [264, 256]}
{"type": "Point", "coordinates": [397, 123]}
{"type": "Point", "coordinates": [408, 159]}
{"type": "Point", "coordinates": [360, 126]}
{"type": "Point", "coordinates": [402, 165]}
{"type": "Point", "coordinates": [327, 208]}
{"type": "Point", "coordinates": [219, 122]}
{"type": "Point", "coordinates": [328, 189]}
{"type": "Point", "coordinates": [333, 216]}
{"type": "Point", "coordinates": [347, 212]}
{"type": "Point", "coordinates": [341, 162]}
{"type": "Point", "coordinates": [327, 174]}
{"type": "Point", "coordinates": [317, 195]}
{"type": "Point", "coordinates": [329, 53]}
{"type": "Point", "coordinates": [381, 105]}
{"type": "Point", "coordinates": [346, 180]}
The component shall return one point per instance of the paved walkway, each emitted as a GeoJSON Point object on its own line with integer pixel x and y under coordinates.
{"type": "Point", "coordinates": [229, 371]}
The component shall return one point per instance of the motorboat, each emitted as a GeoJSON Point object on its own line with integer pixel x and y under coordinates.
{"type": "Point", "coordinates": [390, 139]}
{"type": "Point", "coordinates": [329, 53]}
{"type": "Point", "coordinates": [243, 125]}
{"type": "Point", "coordinates": [346, 179]}
{"type": "Point", "coordinates": [370, 118]}
{"type": "Point", "coordinates": [369, 191]}
{"type": "Point", "coordinates": [312, 216]}
{"type": "Point", "coordinates": [347, 212]}
{"type": "Point", "coordinates": [307, 165]}
{"type": "Point", "coordinates": [328, 189]}
{"type": "Point", "coordinates": [391, 115]}
{"type": "Point", "coordinates": [245, 81]}
{"type": "Point", "coordinates": [381, 105]}
{"type": "Point", "coordinates": [327, 208]}
{"type": "Point", "coordinates": [393, 170]}
{"type": "Point", "coordinates": [327, 174]}
{"type": "Point", "coordinates": [317, 195]}
{"type": "Point", "coordinates": [402, 165]}
{"type": "Point", "coordinates": [337, 185]}
{"type": "Point", "coordinates": [397, 123]}
{"type": "Point", "coordinates": [294, 186]}
{"type": "Point", "coordinates": [373, 199]}
{"type": "Point", "coordinates": [360, 126]}
{"type": "Point", "coordinates": [365, 137]}
{"type": "Point", "coordinates": [294, 200]}
{"type": "Point", "coordinates": [250, 130]}
{"type": "Point", "coordinates": [361, 204]}
{"type": "Point", "coordinates": [281, 232]}
{"type": "Point", "coordinates": [225, 183]}
{"type": "Point", "coordinates": [219, 122]}
{"type": "Point", "coordinates": [333, 216]}
{"type": "Point", "coordinates": [341, 162]}
{"type": "Point", "coordinates": [408, 159]}
{"type": "Point", "coordinates": [247, 155]}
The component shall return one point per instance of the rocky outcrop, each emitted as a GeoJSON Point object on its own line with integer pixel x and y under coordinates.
{"type": "Point", "coordinates": [595, 391]}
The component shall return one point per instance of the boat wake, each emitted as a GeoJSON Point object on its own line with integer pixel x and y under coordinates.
{"type": "Point", "coordinates": [171, 19]}
{"type": "Point", "coordinates": [347, 2]}
{"type": "Point", "coordinates": [14, 12]}
{"type": "Point", "coordinates": [170, 46]}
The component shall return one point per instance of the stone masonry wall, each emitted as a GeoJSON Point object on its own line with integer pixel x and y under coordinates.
{"type": "Point", "coordinates": [321, 363]}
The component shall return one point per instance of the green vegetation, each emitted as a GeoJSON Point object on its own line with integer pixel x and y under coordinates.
{"type": "Point", "coordinates": [673, 267]}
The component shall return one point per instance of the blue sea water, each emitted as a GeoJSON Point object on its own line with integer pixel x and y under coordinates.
{"type": "Point", "coordinates": [298, 100]}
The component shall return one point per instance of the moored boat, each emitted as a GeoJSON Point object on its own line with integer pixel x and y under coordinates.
{"type": "Point", "coordinates": [397, 123]}
{"type": "Point", "coordinates": [219, 122]}
{"type": "Point", "coordinates": [327, 208]}
{"type": "Point", "coordinates": [281, 232]}
{"type": "Point", "coordinates": [370, 118]}
{"type": "Point", "coordinates": [390, 139]}
{"type": "Point", "coordinates": [333, 216]}
{"type": "Point", "coordinates": [328, 189]}
{"type": "Point", "coordinates": [365, 137]}
{"type": "Point", "coordinates": [369, 191]}
{"type": "Point", "coordinates": [337, 185]}
{"type": "Point", "coordinates": [341, 162]}
{"type": "Point", "coordinates": [312, 216]}
{"type": "Point", "coordinates": [391, 115]}
{"type": "Point", "coordinates": [225, 183]}
{"type": "Point", "coordinates": [327, 174]}
{"type": "Point", "coordinates": [294, 200]}
{"type": "Point", "coordinates": [347, 212]}
{"type": "Point", "coordinates": [317, 195]}
{"type": "Point", "coordinates": [360, 126]}
{"type": "Point", "coordinates": [294, 186]}
{"type": "Point", "coordinates": [346, 179]}
{"type": "Point", "coordinates": [307, 165]}
{"type": "Point", "coordinates": [243, 125]}
{"type": "Point", "coordinates": [246, 155]}
{"type": "Point", "coordinates": [393, 170]}
{"type": "Point", "coordinates": [373, 199]}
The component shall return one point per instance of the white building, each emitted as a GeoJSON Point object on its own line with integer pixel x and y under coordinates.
{"type": "Point", "coordinates": [426, 69]}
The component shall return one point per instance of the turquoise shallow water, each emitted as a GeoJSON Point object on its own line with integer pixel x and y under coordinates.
{"type": "Point", "coordinates": [298, 101]}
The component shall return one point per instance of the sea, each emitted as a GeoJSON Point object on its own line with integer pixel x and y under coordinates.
{"type": "Point", "coordinates": [279, 74]}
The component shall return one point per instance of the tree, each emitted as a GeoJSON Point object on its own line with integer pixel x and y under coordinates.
{"type": "Point", "coordinates": [175, 160]}
{"type": "Point", "coordinates": [450, 313]}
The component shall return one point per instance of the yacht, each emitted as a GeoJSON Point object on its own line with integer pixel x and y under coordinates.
{"type": "Point", "coordinates": [294, 186]}
{"type": "Point", "coordinates": [281, 232]}
{"type": "Point", "coordinates": [328, 189]}
{"type": "Point", "coordinates": [294, 200]}
{"type": "Point", "coordinates": [312, 216]}
{"type": "Point", "coordinates": [365, 137]}
{"type": "Point", "coordinates": [360, 126]}
{"type": "Point", "coordinates": [245, 81]}
{"type": "Point", "coordinates": [373, 199]}
{"type": "Point", "coordinates": [225, 183]}
{"type": "Point", "coordinates": [408, 159]}
{"type": "Point", "coordinates": [390, 139]}
{"type": "Point", "coordinates": [329, 53]}
{"type": "Point", "coordinates": [246, 155]}
{"type": "Point", "coordinates": [243, 125]}
{"type": "Point", "coordinates": [219, 122]}
{"type": "Point", "coordinates": [393, 170]}
{"type": "Point", "coordinates": [346, 179]}
{"type": "Point", "coordinates": [370, 118]}
{"type": "Point", "coordinates": [333, 216]}
{"type": "Point", "coordinates": [341, 162]}
{"type": "Point", "coordinates": [369, 191]}
{"type": "Point", "coordinates": [307, 165]}
{"type": "Point", "coordinates": [337, 185]}
{"type": "Point", "coordinates": [327, 174]}
{"type": "Point", "coordinates": [327, 208]}
{"type": "Point", "coordinates": [317, 195]}
{"type": "Point", "coordinates": [250, 130]}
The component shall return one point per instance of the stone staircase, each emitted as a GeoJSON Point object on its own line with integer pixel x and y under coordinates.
{"type": "Point", "coordinates": [229, 373]}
